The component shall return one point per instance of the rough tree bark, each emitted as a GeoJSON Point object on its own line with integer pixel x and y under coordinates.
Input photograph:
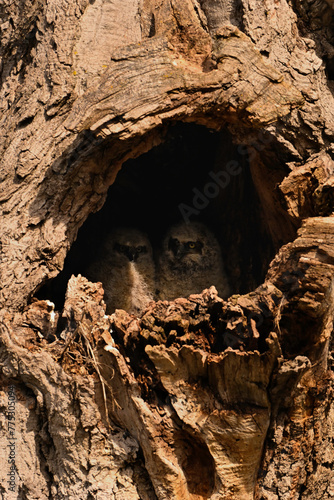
{"type": "Point", "coordinates": [198, 398]}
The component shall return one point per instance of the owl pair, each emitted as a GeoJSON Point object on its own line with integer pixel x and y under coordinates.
{"type": "Point", "coordinates": [188, 261]}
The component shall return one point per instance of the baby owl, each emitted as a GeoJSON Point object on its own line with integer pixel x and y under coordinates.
{"type": "Point", "coordinates": [190, 261]}
{"type": "Point", "coordinates": [126, 269]}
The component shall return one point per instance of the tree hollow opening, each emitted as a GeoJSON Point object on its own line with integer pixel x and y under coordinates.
{"type": "Point", "coordinates": [195, 174]}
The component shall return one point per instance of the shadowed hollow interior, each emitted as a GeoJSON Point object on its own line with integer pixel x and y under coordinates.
{"type": "Point", "coordinates": [195, 174]}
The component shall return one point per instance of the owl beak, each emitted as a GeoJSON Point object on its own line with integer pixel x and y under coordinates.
{"type": "Point", "coordinates": [179, 252]}
{"type": "Point", "coordinates": [174, 246]}
{"type": "Point", "coordinates": [132, 254]}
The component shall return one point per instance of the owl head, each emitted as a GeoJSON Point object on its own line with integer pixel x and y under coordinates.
{"type": "Point", "coordinates": [128, 245]}
{"type": "Point", "coordinates": [189, 246]}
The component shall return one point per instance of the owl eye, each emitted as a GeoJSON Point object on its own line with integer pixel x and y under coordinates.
{"type": "Point", "coordinates": [141, 249]}
{"type": "Point", "coordinates": [120, 248]}
{"type": "Point", "coordinates": [191, 244]}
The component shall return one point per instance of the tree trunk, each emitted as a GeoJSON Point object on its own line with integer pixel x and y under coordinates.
{"type": "Point", "coordinates": [200, 397]}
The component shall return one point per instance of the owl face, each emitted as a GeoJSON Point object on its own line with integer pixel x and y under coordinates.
{"type": "Point", "coordinates": [184, 249]}
{"type": "Point", "coordinates": [130, 251]}
{"type": "Point", "coordinates": [189, 261]}
{"type": "Point", "coordinates": [187, 246]}
{"type": "Point", "coordinates": [129, 246]}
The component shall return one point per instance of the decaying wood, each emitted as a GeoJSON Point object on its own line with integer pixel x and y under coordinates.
{"type": "Point", "coordinates": [80, 187]}
{"type": "Point", "coordinates": [199, 410]}
{"type": "Point", "coordinates": [200, 397]}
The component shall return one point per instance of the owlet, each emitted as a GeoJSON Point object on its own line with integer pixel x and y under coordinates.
{"type": "Point", "coordinates": [126, 269]}
{"type": "Point", "coordinates": [189, 262]}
